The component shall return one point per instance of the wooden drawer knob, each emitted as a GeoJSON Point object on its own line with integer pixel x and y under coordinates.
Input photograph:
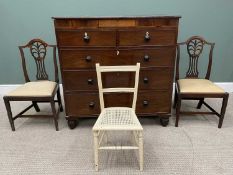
{"type": "Point", "coordinates": [92, 104]}
{"type": "Point", "coordinates": [145, 103]}
{"type": "Point", "coordinates": [145, 80]}
{"type": "Point", "coordinates": [86, 38]}
{"type": "Point", "coordinates": [146, 58]}
{"type": "Point", "coordinates": [88, 58]}
{"type": "Point", "coordinates": [90, 81]}
{"type": "Point", "coordinates": [147, 36]}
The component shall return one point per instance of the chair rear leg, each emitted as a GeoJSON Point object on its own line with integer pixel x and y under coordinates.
{"type": "Point", "coordinates": [223, 109]}
{"type": "Point", "coordinates": [9, 113]}
{"type": "Point", "coordinates": [175, 99]}
{"type": "Point", "coordinates": [200, 103]}
{"type": "Point", "coordinates": [36, 106]}
{"type": "Point", "coordinates": [55, 117]}
{"type": "Point", "coordinates": [59, 100]}
{"type": "Point", "coordinates": [178, 111]}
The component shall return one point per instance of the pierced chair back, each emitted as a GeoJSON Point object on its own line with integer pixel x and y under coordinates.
{"type": "Point", "coordinates": [134, 90]}
{"type": "Point", "coordinates": [195, 46]}
{"type": "Point", "coordinates": [38, 50]}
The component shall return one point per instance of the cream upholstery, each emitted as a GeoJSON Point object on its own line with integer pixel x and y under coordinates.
{"type": "Point", "coordinates": [198, 86]}
{"type": "Point", "coordinates": [37, 88]}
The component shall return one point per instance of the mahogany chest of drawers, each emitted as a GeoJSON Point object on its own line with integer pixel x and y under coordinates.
{"type": "Point", "coordinates": [82, 42]}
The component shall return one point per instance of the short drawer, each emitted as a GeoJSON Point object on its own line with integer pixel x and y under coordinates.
{"type": "Point", "coordinates": [82, 104]}
{"type": "Point", "coordinates": [155, 56]}
{"type": "Point", "coordinates": [150, 56]}
{"type": "Point", "coordinates": [87, 58]}
{"type": "Point", "coordinates": [147, 37]}
{"type": "Point", "coordinates": [66, 38]}
{"type": "Point", "coordinates": [150, 102]}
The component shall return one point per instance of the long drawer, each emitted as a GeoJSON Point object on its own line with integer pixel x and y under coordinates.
{"type": "Point", "coordinates": [87, 58]}
{"type": "Point", "coordinates": [149, 78]}
{"type": "Point", "coordinates": [87, 104]}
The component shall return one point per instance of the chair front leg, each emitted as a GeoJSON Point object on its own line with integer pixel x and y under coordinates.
{"type": "Point", "coordinates": [54, 114]}
{"type": "Point", "coordinates": [178, 110]}
{"type": "Point", "coordinates": [96, 150]}
{"type": "Point", "coordinates": [36, 106]}
{"type": "Point", "coordinates": [59, 100]}
{"type": "Point", "coordinates": [200, 103]}
{"type": "Point", "coordinates": [223, 110]}
{"type": "Point", "coordinates": [140, 145]}
{"type": "Point", "coordinates": [9, 113]}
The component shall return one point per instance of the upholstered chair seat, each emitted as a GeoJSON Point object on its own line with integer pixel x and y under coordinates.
{"type": "Point", "coordinates": [198, 86]}
{"type": "Point", "coordinates": [38, 88]}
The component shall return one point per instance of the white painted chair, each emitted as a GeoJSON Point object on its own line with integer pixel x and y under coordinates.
{"type": "Point", "coordinates": [117, 118]}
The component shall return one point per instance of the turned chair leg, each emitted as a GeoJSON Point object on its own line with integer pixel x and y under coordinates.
{"type": "Point", "coordinates": [175, 99]}
{"type": "Point", "coordinates": [140, 144]}
{"type": "Point", "coordinates": [36, 106]}
{"type": "Point", "coordinates": [96, 150]}
{"type": "Point", "coordinates": [9, 113]}
{"type": "Point", "coordinates": [55, 117]}
{"type": "Point", "coordinates": [223, 110]}
{"type": "Point", "coordinates": [178, 111]}
{"type": "Point", "coordinates": [59, 100]}
{"type": "Point", "coordinates": [200, 103]}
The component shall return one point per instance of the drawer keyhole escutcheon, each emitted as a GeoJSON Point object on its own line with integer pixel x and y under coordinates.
{"type": "Point", "coordinates": [86, 37]}
{"type": "Point", "coordinates": [147, 36]}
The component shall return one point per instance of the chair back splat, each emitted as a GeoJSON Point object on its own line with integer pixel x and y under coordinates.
{"type": "Point", "coordinates": [38, 49]}
{"type": "Point", "coordinates": [194, 46]}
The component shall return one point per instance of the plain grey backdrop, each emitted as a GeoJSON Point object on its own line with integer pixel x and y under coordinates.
{"type": "Point", "coordinates": [23, 20]}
